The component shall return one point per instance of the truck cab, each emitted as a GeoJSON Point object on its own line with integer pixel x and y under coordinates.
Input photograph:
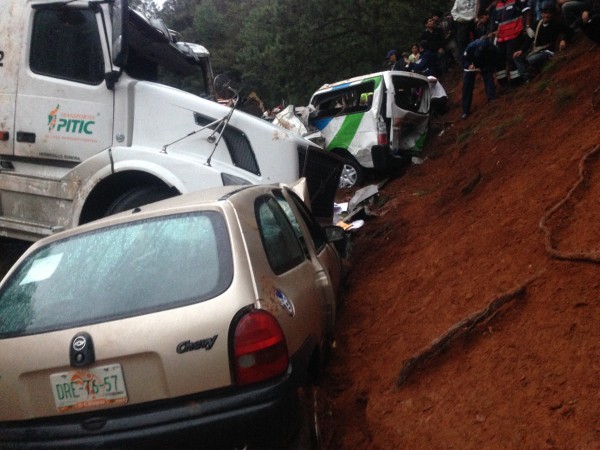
{"type": "Point", "coordinates": [86, 129]}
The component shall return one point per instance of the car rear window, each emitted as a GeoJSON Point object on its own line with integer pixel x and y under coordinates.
{"type": "Point", "coordinates": [116, 272]}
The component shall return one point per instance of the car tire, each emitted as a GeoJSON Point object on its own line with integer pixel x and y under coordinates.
{"type": "Point", "coordinates": [310, 429]}
{"type": "Point", "coordinates": [138, 196]}
{"type": "Point", "coordinates": [352, 173]}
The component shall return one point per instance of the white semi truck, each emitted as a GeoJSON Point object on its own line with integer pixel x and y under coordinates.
{"type": "Point", "coordinates": [86, 130]}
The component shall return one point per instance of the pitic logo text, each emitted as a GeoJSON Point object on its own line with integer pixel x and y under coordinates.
{"type": "Point", "coordinates": [75, 126]}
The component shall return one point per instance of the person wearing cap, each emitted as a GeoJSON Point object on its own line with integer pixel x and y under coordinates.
{"type": "Point", "coordinates": [548, 32]}
{"type": "Point", "coordinates": [393, 63]}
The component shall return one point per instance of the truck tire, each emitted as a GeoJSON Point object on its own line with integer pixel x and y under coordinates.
{"type": "Point", "coordinates": [352, 173]}
{"type": "Point", "coordinates": [138, 196]}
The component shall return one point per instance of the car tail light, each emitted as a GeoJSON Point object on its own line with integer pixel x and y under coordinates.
{"type": "Point", "coordinates": [382, 138]}
{"type": "Point", "coordinates": [259, 347]}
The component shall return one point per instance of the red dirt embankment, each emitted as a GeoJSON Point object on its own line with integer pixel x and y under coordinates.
{"type": "Point", "coordinates": [455, 233]}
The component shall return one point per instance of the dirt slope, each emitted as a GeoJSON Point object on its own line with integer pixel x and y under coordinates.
{"type": "Point", "coordinates": [453, 234]}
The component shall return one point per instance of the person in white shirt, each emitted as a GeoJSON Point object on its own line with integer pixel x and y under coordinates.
{"type": "Point", "coordinates": [464, 13]}
{"type": "Point", "coordinates": [439, 98]}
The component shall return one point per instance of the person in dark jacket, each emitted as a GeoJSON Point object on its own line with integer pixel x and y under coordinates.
{"type": "Point", "coordinates": [479, 58]}
{"type": "Point", "coordinates": [589, 22]}
{"type": "Point", "coordinates": [394, 61]}
{"type": "Point", "coordinates": [428, 62]}
{"type": "Point", "coordinates": [549, 32]}
{"type": "Point", "coordinates": [436, 42]}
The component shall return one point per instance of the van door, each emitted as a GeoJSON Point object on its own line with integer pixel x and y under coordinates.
{"type": "Point", "coordinates": [63, 109]}
{"type": "Point", "coordinates": [348, 114]}
{"type": "Point", "coordinates": [408, 99]}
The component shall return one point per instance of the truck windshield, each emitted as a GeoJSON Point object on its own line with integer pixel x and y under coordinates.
{"type": "Point", "coordinates": [154, 56]}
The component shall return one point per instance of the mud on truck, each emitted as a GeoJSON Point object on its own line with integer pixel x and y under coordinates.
{"type": "Point", "coordinates": [86, 130]}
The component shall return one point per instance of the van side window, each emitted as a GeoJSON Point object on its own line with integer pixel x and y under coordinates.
{"type": "Point", "coordinates": [65, 44]}
{"type": "Point", "coordinates": [411, 94]}
{"type": "Point", "coordinates": [347, 100]}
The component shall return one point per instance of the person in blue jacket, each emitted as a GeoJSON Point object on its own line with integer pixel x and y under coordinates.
{"type": "Point", "coordinates": [479, 58]}
{"type": "Point", "coordinates": [428, 62]}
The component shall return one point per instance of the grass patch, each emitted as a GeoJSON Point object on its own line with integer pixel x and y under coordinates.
{"type": "Point", "coordinates": [549, 66]}
{"type": "Point", "coordinates": [464, 136]}
{"type": "Point", "coordinates": [563, 96]}
{"type": "Point", "coordinates": [499, 130]}
{"type": "Point", "coordinates": [424, 192]}
{"type": "Point", "coordinates": [542, 85]}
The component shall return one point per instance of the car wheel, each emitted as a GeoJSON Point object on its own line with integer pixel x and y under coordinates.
{"type": "Point", "coordinates": [310, 431]}
{"type": "Point", "coordinates": [352, 173]}
{"type": "Point", "coordinates": [139, 196]}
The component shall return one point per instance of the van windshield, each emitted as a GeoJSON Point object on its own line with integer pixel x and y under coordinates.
{"type": "Point", "coordinates": [344, 100]}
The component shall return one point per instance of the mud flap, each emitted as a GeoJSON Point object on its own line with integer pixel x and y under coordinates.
{"type": "Point", "coordinates": [383, 159]}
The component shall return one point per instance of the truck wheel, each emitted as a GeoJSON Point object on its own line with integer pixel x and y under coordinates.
{"type": "Point", "coordinates": [139, 196]}
{"type": "Point", "coordinates": [352, 173]}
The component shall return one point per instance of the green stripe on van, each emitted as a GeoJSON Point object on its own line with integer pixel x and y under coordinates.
{"type": "Point", "coordinates": [347, 131]}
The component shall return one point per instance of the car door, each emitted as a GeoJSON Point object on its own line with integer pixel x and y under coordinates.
{"type": "Point", "coordinates": [63, 107]}
{"type": "Point", "coordinates": [324, 258]}
{"type": "Point", "coordinates": [283, 273]}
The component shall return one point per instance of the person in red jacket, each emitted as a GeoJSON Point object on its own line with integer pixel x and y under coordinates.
{"type": "Point", "coordinates": [510, 33]}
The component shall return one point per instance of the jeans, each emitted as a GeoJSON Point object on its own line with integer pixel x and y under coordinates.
{"type": "Point", "coordinates": [538, 59]}
{"type": "Point", "coordinates": [463, 36]}
{"type": "Point", "coordinates": [469, 85]}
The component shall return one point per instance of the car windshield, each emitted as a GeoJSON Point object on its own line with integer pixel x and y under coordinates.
{"type": "Point", "coordinates": [116, 272]}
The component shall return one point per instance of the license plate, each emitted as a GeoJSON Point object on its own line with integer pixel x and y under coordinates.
{"type": "Point", "coordinates": [79, 389]}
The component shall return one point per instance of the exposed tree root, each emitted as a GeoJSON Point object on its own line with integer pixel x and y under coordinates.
{"type": "Point", "coordinates": [550, 247]}
{"type": "Point", "coordinates": [461, 328]}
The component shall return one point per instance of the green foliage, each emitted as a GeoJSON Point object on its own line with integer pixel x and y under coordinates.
{"type": "Point", "coordinates": [286, 49]}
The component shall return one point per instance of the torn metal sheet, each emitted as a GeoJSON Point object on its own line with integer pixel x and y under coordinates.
{"type": "Point", "coordinates": [361, 195]}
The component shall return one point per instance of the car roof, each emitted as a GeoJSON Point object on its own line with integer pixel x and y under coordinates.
{"type": "Point", "coordinates": [204, 199]}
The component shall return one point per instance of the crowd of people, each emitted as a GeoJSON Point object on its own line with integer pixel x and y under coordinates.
{"type": "Point", "coordinates": [506, 42]}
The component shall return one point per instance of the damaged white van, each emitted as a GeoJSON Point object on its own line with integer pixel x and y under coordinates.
{"type": "Point", "coordinates": [374, 121]}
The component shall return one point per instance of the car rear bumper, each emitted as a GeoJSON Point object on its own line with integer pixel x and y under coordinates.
{"type": "Point", "coordinates": [223, 420]}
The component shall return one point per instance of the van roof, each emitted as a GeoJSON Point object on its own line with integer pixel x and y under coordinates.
{"type": "Point", "coordinates": [360, 78]}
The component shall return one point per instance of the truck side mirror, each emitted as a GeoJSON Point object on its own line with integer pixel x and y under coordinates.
{"type": "Point", "coordinates": [120, 21]}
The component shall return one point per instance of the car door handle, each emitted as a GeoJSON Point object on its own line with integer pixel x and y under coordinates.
{"type": "Point", "coordinates": [23, 136]}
